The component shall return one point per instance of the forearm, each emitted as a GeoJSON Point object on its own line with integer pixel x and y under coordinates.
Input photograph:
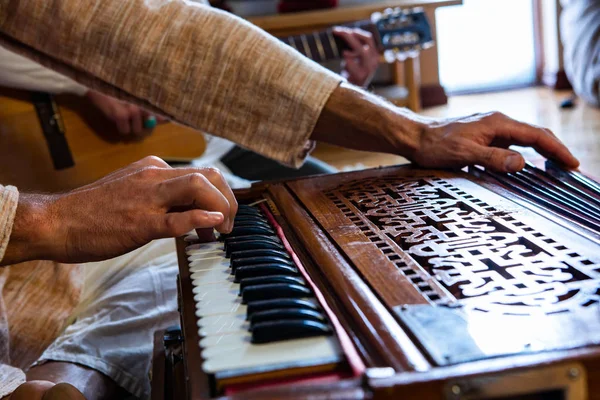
{"type": "Point", "coordinates": [356, 119]}
{"type": "Point", "coordinates": [20, 72]}
{"type": "Point", "coordinates": [193, 64]}
{"type": "Point", "coordinates": [29, 235]}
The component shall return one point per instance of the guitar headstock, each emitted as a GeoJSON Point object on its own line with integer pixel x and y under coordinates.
{"type": "Point", "coordinates": [402, 32]}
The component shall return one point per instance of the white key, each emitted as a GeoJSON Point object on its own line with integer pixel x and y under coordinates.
{"type": "Point", "coordinates": [203, 247]}
{"type": "Point", "coordinates": [236, 352]}
{"type": "Point", "coordinates": [209, 263]}
{"type": "Point", "coordinates": [222, 324]}
{"type": "Point", "coordinates": [215, 256]}
{"type": "Point", "coordinates": [220, 307]}
{"type": "Point", "coordinates": [225, 290]}
{"type": "Point", "coordinates": [211, 276]}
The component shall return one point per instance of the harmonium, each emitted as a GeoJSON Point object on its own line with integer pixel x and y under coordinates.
{"type": "Point", "coordinates": [394, 283]}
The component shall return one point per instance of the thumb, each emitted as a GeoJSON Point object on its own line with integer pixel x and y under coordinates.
{"type": "Point", "coordinates": [499, 160]}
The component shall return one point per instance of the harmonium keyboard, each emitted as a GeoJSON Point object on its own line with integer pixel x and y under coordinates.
{"type": "Point", "coordinates": [396, 283]}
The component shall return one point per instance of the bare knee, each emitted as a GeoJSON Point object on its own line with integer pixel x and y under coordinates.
{"type": "Point", "coordinates": [45, 390]}
{"type": "Point", "coordinates": [32, 390]}
{"type": "Point", "coordinates": [63, 391]}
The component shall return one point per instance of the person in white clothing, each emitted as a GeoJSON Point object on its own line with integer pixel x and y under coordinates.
{"type": "Point", "coordinates": [580, 30]}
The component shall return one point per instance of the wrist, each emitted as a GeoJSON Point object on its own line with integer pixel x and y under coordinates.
{"type": "Point", "coordinates": [32, 233]}
{"type": "Point", "coordinates": [356, 119]}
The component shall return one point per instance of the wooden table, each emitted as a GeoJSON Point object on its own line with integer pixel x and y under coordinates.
{"type": "Point", "coordinates": [406, 82]}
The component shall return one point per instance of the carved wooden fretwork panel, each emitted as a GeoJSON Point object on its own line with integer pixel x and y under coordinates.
{"type": "Point", "coordinates": [485, 258]}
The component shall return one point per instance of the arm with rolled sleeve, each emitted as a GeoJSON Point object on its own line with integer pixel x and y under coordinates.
{"type": "Point", "coordinates": [202, 67]}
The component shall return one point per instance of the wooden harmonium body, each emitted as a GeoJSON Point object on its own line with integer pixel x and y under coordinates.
{"type": "Point", "coordinates": [399, 283]}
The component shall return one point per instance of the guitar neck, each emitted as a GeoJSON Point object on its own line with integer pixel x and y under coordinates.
{"type": "Point", "coordinates": [322, 46]}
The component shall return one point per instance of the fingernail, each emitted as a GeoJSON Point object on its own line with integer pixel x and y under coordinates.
{"type": "Point", "coordinates": [215, 217]}
{"type": "Point", "coordinates": [513, 163]}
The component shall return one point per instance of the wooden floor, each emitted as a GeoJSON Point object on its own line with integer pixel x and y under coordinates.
{"type": "Point", "coordinates": [578, 128]}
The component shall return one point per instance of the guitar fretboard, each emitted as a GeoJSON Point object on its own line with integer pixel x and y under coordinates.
{"type": "Point", "coordinates": [321, 46]}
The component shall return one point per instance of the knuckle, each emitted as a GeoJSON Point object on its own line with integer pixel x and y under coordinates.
{"type": "Point", "coordinates": [172, 228]}
{"type": "Point", "coordinates": [154, 161]}
{"type": "Point", "coordinates": [497, 115]}
{"type": "Point", "coordinates": [121, 115]}
{"type": "Point", "coordinates": [148, 173]}
{"type": "Point", "coordinates": [212, 174]}
{"type": "Point", "coordinates": [197, 180]}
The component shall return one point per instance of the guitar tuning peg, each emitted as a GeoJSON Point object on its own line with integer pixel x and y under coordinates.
{"type": "Point", "coordinates": [376, 17]}
{"type": "Point", "coordinates": [389, 56]}
{"type": "Point", "coordinates": [387, 12]}
{"type": "Point", "coordinates": [400, 55]}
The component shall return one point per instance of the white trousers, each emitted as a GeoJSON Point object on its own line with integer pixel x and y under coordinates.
{"type": "Point", "coordinates": [124, 301]}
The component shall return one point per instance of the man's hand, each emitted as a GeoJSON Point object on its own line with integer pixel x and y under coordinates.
{"type": "Point", "coordinates": [356, 119]}
{"type": "Point", "coordinates": [145, 201]}
{"type": "Point", "coordinates": [128, 119]}
{"type": "Point", "coordinates": [362, 61]}
{"type": "Point", "coordinates": [483, 139]}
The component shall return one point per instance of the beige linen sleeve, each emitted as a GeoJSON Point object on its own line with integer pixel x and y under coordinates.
{"type": "Point", "coordinates": [9, 197]}
{"type": "Point", "coordinates": [202, 67]}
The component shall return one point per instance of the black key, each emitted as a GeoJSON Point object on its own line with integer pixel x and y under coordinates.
{"type": "Point", "coordinates": [259, 252]}
{"type": "Point", "coordinates": [247, 231]}
{"type": "Point", "coordinates": [252, 245]}
{"type": "Point", "coordinates": [280, 314]}
{"type": "Point", "coordinates": [271, 238]}
{"type": "Point", "coordinates": [271, 291]}
{"type": "Point", "coordinates": [262, 280]}
{"type": "Point", "coordinates": [253, 271]}
{"type": "Point", "coordinates": [248, 210]}
{"type": "Point", "coordinates": [244, 218]}
{"type": "Point", "coordinates": [261, 224]}
{"type": "Point", "coordinates": [266, 332]}
{"type": "Point", "coordinates": [264, 305]}
{"type": "Point", "coordinates": [243, 262]}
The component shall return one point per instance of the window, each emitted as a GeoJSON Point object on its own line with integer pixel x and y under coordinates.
{"type": "Point", "coordinates": [486, 45]}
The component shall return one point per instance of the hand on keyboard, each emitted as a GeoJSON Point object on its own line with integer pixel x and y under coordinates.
{"type": "Point", "coordinates": [255, 309]}
{"type": "Point", "coordinates": [123, 211]}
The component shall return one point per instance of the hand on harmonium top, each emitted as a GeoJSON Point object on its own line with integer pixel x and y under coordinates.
{"type": "Point", "coordinates": [130, 120]}
{"type": "Point", "coordinates": [123, 211]}
{"type": "Point", "coordinates": [359, 64]}
{"type": "Point", "coordinates": [356, 119]}
{"type": "Point", "coordinates": [483, 139]}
